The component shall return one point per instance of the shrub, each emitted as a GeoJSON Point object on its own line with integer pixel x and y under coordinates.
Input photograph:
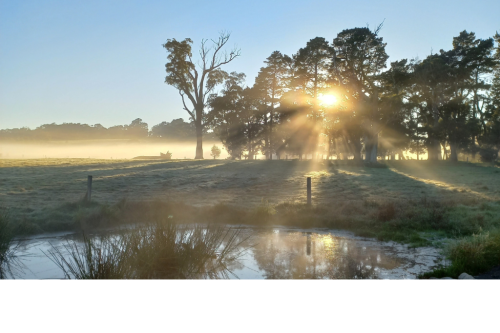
{"type": "Point", "coordinates": [263, 212]}
{"type": "Point", "coordinates": [472, 255]}
{"type": "Point", "coordinates": [386, 212]}
{"type": "Point", "coordinates": [488, 154]}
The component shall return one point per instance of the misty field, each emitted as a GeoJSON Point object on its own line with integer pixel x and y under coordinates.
{"type": "Point", "coordinates": [29, 186]}
{"type": "Point", "coordinates": [419, 203]}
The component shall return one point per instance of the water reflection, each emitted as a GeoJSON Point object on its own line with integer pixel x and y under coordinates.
{"type": "Point", "coordinates": [308, 255]}
{"type": "Point", "coordinates": [283, 253]}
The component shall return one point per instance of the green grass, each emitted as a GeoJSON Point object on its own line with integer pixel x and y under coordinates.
{"type": "Point", "coordinates": [473, 255]}
{"type": "Point", "coordinates": [402, 221]}
{"type": "Point", "coordinates": [413, 202]}
{"type": "Point", "coordinates": [163, 250]}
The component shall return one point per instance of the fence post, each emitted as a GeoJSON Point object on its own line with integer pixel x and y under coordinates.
{"type": "Point", "coordinates": [89, 188]}
{"type": "Point", "coordinates": [309, 191]}
{"type": "Point", "coordinates": [308, 244]}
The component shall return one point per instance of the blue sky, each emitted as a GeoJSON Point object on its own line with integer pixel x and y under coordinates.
{"type": "Point", "coordinates": [102, 61]}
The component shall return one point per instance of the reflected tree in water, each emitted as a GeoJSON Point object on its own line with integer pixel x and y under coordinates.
{"type": "Point", "coordinates": [314, 256]}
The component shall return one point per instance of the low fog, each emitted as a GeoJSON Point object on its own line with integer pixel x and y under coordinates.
{"type": "Point", "coordinates": [105, 150]}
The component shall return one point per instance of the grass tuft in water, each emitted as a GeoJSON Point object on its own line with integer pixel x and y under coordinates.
{"type": "Point", "coordinates": [105, 258]}
{"type": "Point", "coordinates": [9, 261]}
{"type": "Point", "coordinates": [163, 250]}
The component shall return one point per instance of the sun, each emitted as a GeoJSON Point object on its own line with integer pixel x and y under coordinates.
{"type": "Point", "coordinates": [327, 99]}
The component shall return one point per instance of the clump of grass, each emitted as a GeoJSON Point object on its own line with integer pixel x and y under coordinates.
{"type": "Point", "coordinates": [9, 262]}
{"type": "Point", "coordinates": [386, 212]}
{"type": "Point", "coordinates": [159, 251]}
{"type": "Point", "coordinates": [170, 251]}
{"type": "Point", "coordinates": [473, 255]}
{"type": "Point", "coordinates": [106, 258]}
{"type": "Point", "coordinates": [263, 212]}
{"type": "Point", "coordinates": [224, 213]}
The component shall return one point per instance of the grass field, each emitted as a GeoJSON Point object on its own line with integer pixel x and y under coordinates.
{"type": "Point", "coordinates": [416, 202]}
{"type": "Point", "coordinates": [30, 185]}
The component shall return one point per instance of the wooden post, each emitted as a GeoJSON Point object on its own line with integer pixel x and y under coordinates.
{"type": "Point", "coordinates": [308, 244]}
{"type": "Point", "coordinates": [89, 188]}
{"type": "Point", "coordinates": [309, 191]}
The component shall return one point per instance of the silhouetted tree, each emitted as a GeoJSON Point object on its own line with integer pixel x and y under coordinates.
{"type": "Point", "coordinates": [215, 152]}
{"type": "Point", "coordinates": [177, 129]}
{"type": "Point", "coordinates": [271, 82]}
{"type": "Point", "coordinates": [197, 83]}
{"type": "Point", "coordinates": [359, 59]}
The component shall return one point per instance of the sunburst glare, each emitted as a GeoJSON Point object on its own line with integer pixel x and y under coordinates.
{"type": "Point", "coordinates": [327, 99]}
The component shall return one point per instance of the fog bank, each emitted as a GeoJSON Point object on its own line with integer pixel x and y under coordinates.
{"type": "Point", "coordinates": [112, 149]}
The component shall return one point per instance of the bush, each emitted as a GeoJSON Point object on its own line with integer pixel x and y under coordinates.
{"type": "Point", "coordinates": [386, 212]}
{"type": "Point", "coordinates": [263, 212]}
{"type": "Point", "coordinates": [472, 255]}
{"type": "Point", "coordinates": [488, 154]}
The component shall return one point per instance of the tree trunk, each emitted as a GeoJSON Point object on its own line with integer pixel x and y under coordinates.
{"type": "Point", "coordinates": [271, 121]}
{"type": "Point", "coordinates": [434, 150]}
{"type": "Point", "coordinates": [453, 152]}
{"type": "Point", "coordinates": [199, 142]}
{"type": "Point", "coordinates": [266, 137]}
{"type": "Point", "coordinates": [357, 156]}
{"type": "Point", "coordinates": [329, 147]}
{"type": "Point", "coordinates": [315, 108]}
{"type": "Point", "coordinates": [374, 144]}
{"type": "Point", "coordinates": [368, 148]}
{"type": "Point", "coordinates": [356, 149]}
{"type": "Point", "coordinates": [371, 144]}
{"type": "Point", "coordinates": [401, 157]}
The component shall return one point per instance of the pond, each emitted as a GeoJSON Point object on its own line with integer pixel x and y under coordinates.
{"type": "Point", "coordinates": [278, 253]}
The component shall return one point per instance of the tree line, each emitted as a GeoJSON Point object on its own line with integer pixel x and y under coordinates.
{"type": "Point", "coordinates": [176, 130]}
{"type": "Point", "coordinates": [342, 98]}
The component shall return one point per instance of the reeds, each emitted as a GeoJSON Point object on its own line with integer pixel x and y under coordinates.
{"type": "Point", "coordinates": [9, 262]}
{"type": "Point", "coordinates": [159, 251]}
{"type": "Point", "coordinates": [104, 258]}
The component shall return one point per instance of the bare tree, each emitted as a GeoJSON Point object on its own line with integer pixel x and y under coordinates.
{"type": "Point", "coordinates": [195, 82]}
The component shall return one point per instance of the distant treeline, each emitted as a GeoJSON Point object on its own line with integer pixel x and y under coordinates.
{"type": "Point", "coordinates": [176, 130]}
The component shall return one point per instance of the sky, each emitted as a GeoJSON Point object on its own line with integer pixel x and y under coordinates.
{"type": "Point", "coordinates": [102, 62]}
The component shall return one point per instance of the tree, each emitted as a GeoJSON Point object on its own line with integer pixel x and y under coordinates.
{"type": "Point", "coordinates": [271, 82]}
{"type": "Point", "coordinates": [490, 138]}
{"type": "Point", "coordinates": [251, 116]}
{"type": "Point", "coordinates": [225, 115]}
{"type": "Point", "coordinates": [432, 78]}
{"type": "Point", "coordinates": [177, 129]}
{"type": "Point", "coordinates": [396, 108]}
{"type": "Point", "coordinates": [196, 83]}
{"type": "Point", "coordinates": [215, 152]}
{"type": "Point", "coordinates": [473, 61]}
{"type": "Point", "coordinates": [359, 57]}
{"type": "Point", "coordinates": [312, 63]}
{"type": "Point", "coordinates": [138, 129]}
